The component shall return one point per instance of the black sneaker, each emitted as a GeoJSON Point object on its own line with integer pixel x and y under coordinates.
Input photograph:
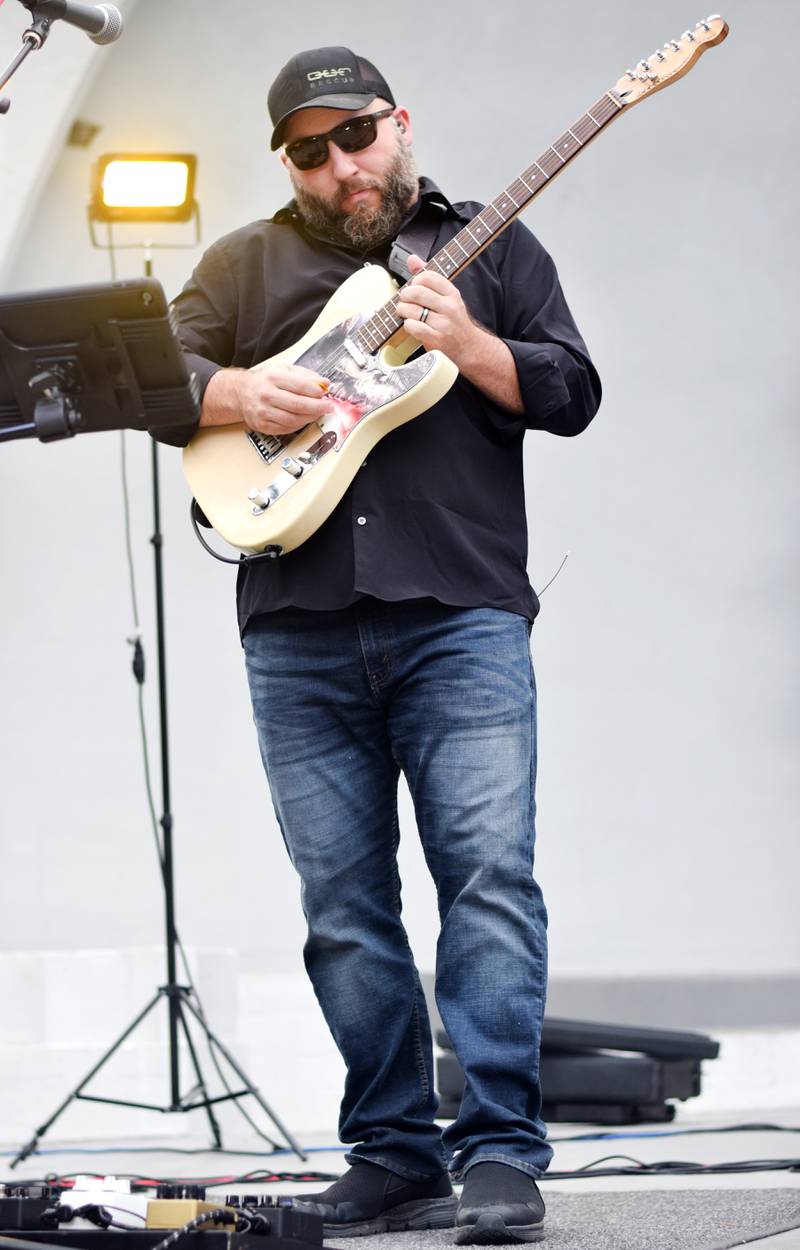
{"type": "Point", "coordinates": [371, 1199]}
{"type": "Point", "coordinates": [498, 1204]}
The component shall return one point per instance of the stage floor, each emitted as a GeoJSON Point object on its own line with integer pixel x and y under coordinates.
{"type": "Point", "coordinates": [186, 1158]}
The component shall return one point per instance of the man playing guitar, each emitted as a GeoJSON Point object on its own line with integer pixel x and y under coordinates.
{"type": "Point", "coordinates": [396, 638]}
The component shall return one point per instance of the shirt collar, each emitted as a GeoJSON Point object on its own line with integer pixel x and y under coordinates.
{"type": "Point", "coordinates": [430, 194]}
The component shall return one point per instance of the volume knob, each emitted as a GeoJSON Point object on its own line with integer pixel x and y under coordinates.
{"type": "Point", "coordinates": [259, 499]}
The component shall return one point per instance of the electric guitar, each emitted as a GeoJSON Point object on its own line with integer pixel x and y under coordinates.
{"type": "Point", "coordinates": [269, 493]}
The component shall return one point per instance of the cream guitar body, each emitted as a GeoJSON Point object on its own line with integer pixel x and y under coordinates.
{"type": "Point", "coordinates": [263, 492]}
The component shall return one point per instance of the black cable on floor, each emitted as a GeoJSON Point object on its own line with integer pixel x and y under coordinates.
{"type": "Point", "coordinates": [634, 1167]}
{"type": "Point", "coordinates": [636, 1135]}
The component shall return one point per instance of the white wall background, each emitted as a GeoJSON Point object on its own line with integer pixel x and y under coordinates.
{"type": "Point", "coordinates": [664, 652]}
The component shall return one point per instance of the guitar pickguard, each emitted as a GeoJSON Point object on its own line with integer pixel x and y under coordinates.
{"type": "Point", "coordinates": [360, 383]}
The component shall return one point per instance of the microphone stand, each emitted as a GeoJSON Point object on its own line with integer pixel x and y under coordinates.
{"type": "Point", "coordinates": [32, 38]}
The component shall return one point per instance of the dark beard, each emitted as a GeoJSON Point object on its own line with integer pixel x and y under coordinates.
{"type": "Point", "coordinates": [364, 228]}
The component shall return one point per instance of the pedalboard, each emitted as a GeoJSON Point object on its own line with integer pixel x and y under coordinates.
{"type": "Point", "coordinates": [94, 1209]}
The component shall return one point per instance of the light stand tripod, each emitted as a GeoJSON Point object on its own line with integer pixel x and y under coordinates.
{"type": "Point", "coordinates": [22, 366]}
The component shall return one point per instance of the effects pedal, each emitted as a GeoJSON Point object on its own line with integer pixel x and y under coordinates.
{"type": "Point", "coordinates": [23, 1206]}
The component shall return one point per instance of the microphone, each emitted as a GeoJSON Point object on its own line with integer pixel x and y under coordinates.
{"type": "Point", "coordinates": [102, 22]}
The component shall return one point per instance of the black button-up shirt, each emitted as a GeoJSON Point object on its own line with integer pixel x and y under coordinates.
{"type": "Point", "coordinates": [438, 510]}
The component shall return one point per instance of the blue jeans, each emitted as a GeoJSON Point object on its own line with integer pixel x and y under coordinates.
{"type": "Point", "coordinates": [342, 702]}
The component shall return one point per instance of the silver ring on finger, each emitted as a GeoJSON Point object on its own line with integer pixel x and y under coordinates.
{"type": "Point", "coordinates": [425, 314]}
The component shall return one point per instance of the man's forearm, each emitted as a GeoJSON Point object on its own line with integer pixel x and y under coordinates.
{"type": "Point", "coordinates": [487, 362]}
{"type": "Point", "coordinates": [221, 402]}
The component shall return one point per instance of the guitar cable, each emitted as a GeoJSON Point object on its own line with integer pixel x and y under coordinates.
{"type": "Point", "coordinates": [198, 518]}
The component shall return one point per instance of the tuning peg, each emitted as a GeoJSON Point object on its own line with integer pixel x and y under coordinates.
{"type": "Point", "coordinates": [704, 25]}
{"type": "Point", "coordinates": [673, 43]}
{"type": "Point", "coordinates": [687, 34]}
{"type": "Point", "coordinates": [659, 54]}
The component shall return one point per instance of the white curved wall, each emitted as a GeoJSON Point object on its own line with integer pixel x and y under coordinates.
{"type": "Point", "coordinates": [664, 651]}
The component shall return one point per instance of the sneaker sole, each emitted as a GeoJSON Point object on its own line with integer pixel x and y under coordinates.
{"type": "Point", "coordinates": [428, 1213]}
{"type": "Point", "coordinates": [491, 1230]}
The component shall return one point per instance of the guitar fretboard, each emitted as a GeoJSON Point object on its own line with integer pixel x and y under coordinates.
{"type": "Point", "coordinates": [494, 218]}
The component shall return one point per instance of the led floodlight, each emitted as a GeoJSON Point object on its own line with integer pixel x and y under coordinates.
{"type": "Point", "coordinates": [143, 186]}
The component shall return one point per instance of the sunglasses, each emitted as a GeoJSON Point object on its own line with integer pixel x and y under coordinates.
{"type": "Point", "coordinates": [354, 136]}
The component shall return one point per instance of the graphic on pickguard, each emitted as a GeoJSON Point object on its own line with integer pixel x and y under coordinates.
{"type": "Point", "coordinates": [360, 383]}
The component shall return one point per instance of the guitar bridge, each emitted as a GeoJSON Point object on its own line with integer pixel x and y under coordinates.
{"type": "Point", "coordinates": [268, 446]}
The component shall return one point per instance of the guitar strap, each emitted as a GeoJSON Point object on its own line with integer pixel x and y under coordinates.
{"type": "Point", "coordinates": [417, 237]}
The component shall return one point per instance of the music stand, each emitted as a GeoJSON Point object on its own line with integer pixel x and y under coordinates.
{"type": "Point", "coordinates": [106, 357]}
{"type": "Point", "coordinates": [87, 358]}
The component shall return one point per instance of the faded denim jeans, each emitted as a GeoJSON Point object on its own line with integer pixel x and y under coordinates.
{"type": "Point", "coordinates": [343, 701]}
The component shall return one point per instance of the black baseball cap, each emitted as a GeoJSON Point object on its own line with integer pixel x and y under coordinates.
{"type": "Point", "coordinates": [332, 78]}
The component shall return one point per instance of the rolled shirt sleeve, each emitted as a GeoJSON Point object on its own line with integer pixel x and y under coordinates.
{"type": "Point", "coordinates": [559, 385]}
{"type": "Point", "coordinates": [207, 310]}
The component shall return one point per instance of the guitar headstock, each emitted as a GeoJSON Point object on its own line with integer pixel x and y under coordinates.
{"type": "Point", "coordinates": [671, 62]}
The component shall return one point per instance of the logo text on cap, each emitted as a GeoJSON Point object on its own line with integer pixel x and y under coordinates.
{"type": "Point", "coordinates": [328, 73]}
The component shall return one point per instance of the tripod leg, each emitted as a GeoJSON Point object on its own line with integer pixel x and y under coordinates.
{"type": "Point", "coordinates": [251, 1088]}
{"type": "Point", "coordinates": [212, 1120]}
{"type": "Point", "coordinates": [40, 1132]}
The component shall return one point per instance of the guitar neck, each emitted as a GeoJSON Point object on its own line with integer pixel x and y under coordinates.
{"type": "Point", "coordinates": [493, 219]}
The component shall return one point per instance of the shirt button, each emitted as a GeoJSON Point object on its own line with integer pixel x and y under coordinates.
{"type": "Point", "coordinates": [362, 520]}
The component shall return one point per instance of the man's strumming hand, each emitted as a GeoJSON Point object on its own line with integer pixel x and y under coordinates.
{"type": "Point", "coordinates": [273, 399]}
